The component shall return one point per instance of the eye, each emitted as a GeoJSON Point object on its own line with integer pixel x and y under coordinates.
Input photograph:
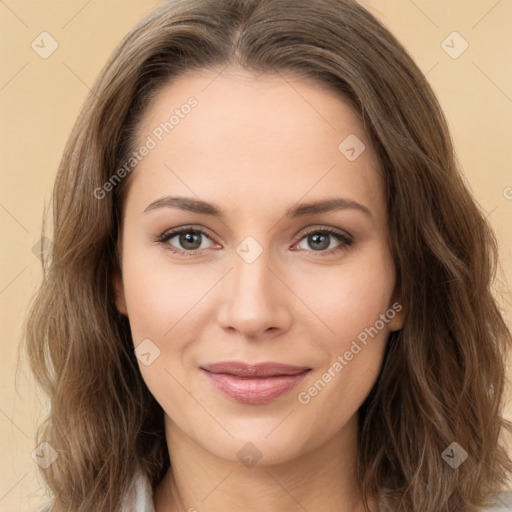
{"type": "Point", "coordinates": [189, 239]}
{"type": "Point", "coordinates": [320, 239]}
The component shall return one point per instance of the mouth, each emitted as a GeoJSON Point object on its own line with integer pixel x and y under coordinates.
{"type": "Point", "coordinates": [254, 383]}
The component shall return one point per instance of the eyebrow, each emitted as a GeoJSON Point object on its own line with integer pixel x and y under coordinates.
{"type": "Point", "coordinates": [302, 210]}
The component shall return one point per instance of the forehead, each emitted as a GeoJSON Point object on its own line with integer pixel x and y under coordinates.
{"type": "Point", "coordinates": [267, 136]}
{"type": "Point", "coordinates": [232, 100]}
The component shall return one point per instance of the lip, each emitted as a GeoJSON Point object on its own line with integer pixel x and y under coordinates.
{"type": "Point", "coordinates": [257, 383]}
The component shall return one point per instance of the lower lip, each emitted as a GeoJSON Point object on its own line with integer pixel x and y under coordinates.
{"type": "Point", "coordinates": [257, 390]}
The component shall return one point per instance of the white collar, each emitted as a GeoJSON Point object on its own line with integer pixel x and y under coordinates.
{"type": "Point", "coordinates": [139, 498]}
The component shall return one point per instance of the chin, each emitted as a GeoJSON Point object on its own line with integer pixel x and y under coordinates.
{"type": "Point", "coordinates": [255, 446]}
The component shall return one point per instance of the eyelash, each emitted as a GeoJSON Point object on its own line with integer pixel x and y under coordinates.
{"type": "Point", "coordinates": [346, 240]}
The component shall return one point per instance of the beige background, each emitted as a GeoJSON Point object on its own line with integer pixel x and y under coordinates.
{"type": "Point", "coordinates": [40, 99]}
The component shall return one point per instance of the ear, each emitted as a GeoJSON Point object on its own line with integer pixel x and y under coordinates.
{"type": "Point", "coordinates": [397, 312]}
{"type": "Point", "coordinates": [119, 291]}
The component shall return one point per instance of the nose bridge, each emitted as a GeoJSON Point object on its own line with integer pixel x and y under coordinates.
{"type": "Point", "coordinates": [252, 278]}
{"type": "Point", "coordinates": [255, 300]}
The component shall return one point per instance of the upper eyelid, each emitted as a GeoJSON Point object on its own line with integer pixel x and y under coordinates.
{"type": "Point", "coordinates": [331, 230]}
{"type": "Point", "coordinates": [171, 233]}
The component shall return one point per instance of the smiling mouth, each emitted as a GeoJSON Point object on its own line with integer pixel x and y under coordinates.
{"type": "Point", "coordinates": [254, 383]}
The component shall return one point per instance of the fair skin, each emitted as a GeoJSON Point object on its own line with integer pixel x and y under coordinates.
{"type": "Point", "coordinates": [255, 147]}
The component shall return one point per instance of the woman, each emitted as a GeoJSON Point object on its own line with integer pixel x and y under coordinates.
{"type": "Point", "coordinates": [269, 287]}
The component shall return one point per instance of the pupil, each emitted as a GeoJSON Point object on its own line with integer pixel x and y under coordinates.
{"type": "Point", "coordinates": [320, 238]}
{"type": "Point", "coordinates": [188, 238]}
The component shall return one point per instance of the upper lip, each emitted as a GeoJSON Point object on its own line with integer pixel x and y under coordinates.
{"type": "Point", "coordinates": [266, 369]}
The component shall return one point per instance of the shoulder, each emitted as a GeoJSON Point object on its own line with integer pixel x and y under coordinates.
{"type": "Point", "coordinates": [500, 503]}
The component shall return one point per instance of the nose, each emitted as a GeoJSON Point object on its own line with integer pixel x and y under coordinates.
{"type": "Point", "coordinates": [255, 301]}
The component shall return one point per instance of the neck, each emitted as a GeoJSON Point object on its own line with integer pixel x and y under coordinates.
{"type": "Point", "coordinates": [322, 479]}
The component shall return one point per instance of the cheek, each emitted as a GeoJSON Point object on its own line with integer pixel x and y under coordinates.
{"type": "Point", "coordinates": [354, 354]}
{"type": "Point", "coordinates": [355, 304]}
{"type": "Point", "coordinates": [160, 295]}
{"type": "Point", "coordinates": [335, 394]}
{"type": "Point", "coordinates": [163, 302]}
{"type": "Point", "coordinates": [351, 297]}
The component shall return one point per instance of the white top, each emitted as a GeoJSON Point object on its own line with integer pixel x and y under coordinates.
{"type": "Point", "coordinates": [140, 499]}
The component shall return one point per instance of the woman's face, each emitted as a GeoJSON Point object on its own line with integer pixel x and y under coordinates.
{"type": "Point", "coordinates": [283, 258]}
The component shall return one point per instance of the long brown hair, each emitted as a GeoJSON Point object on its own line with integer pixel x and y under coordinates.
{"type": "Point", "coordinates": [442, 380]}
